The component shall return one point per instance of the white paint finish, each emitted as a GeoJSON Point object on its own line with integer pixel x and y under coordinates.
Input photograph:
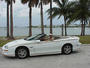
{"type": "Point", "coordinates": [37, 47]}
{"type": "Point", "coordinates": [46, 47]}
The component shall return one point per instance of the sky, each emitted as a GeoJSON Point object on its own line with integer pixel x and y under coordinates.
{"type": "Point", "coordinates": [21, 15]}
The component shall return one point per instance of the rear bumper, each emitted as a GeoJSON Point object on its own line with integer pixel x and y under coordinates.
{"type": "Point", "coordinates": [77, 47]}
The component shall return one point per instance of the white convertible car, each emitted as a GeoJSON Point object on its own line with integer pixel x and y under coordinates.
{"type": "Point", "coordinates": [40, 45]}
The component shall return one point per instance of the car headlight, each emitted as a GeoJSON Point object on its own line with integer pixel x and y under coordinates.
{"type": "Point", "coordinates": [6, 47]}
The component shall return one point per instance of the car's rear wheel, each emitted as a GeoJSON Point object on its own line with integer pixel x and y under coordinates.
{"type": "Point", "coordinates": [22, 53]}
{"type": "Point", "coordinates": [67, 49]}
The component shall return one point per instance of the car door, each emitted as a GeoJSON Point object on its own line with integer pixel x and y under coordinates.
{"type": "Point", "coordinates": [46, 47]}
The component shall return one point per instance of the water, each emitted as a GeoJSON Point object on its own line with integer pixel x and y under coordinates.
{"type": "Point", "coordinates": [23, 31]}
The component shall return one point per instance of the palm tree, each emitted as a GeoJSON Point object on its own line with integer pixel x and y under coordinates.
{"type": "Point", "coordinates": [42, 2]}
{"type": "Point", "coordinates": [81, 12]}
{"type": "Point", "coordinates": [89, 22]}
{"type": "Point", "coordinates": [46, 2]}
{"type": "Point", "coordinates": [42, 22]}
{"type": "Point", "coordinates": [11, 18]}
{"type": "Point", "coordinates": [62, 9]}
{"type": "Point", "coordinates": [51, 32]}
{"type": "Point", "coordinates": [8, 3]}
{"type": "Point", "coordinates": [31, 3]}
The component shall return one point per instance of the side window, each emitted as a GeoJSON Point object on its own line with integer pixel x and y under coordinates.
{"type": "Point", "coordinates": [45, 38]}
{"type": "Point", "coordinates": [42, 39]}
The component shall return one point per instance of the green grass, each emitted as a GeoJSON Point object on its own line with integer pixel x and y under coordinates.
{"type": "Point", "coordinates": [83, 40]}
{"type": "Point", "coordinates": [3, 42]}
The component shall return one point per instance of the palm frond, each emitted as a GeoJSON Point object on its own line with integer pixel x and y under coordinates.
{"type": "Point", "coordinates": [24, 1]}
{"type": "Point", "coordinates": [14, 1]}
{"type": "Point", "coordinates": [54, 9]}
{"type": "Point", "coordinates": [55, 12]}
{"type": "Point", "coordinates": [45, 2]}
{"type": "Point", "coordinates": [34, 3]}
{"type": "Point", "coordinates": [58, 3]}
{"type": "Point", "coordinates": [59, 16]}
{"type": "Point", "coordinates": [73, 17]}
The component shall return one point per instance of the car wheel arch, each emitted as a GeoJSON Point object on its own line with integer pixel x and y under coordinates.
{"type": "Point", "coordinates": [22, 47]}
{"type": "Point", "coordinates": [67, 44]}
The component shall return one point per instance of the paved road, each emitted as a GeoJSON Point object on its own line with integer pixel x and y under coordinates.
{"type": "Point", "coordinates": [79, 59]}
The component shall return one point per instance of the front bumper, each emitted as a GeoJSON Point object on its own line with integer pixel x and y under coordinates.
{"type": "Point", "coordinates": [7, 52]}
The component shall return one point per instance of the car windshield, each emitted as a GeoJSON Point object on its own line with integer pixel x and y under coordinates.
{"type": "Point", "coordinates": [35, 37]}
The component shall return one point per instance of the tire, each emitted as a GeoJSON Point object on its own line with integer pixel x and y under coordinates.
{"type": "Point", "coordinates": [22, 53]}
{"type": "Point", "coordinates": [67, 49]}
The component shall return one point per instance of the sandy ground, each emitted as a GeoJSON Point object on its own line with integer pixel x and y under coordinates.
{"type": "Point", "coordinates": [78, 59]}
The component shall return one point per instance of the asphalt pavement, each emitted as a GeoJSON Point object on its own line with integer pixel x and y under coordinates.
{"type": "Point", "coordinates": [78, 59]}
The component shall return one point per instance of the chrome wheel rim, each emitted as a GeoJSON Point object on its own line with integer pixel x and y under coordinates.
{"type": "Point", "coordinates": [67, 49]}
{"type": "Point", "coordinates": [22, 53]}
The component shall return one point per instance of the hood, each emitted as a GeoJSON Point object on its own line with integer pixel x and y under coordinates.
{"type": "Point", "coordinates": [20, 42]}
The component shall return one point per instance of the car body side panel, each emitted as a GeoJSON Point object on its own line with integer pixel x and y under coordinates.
{"type": "Point", "coordinates": [45, 47]}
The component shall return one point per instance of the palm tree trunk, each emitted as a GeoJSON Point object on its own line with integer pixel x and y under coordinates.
{"type": "Point", "coordinates": [11, 20]}
{"type": "Point", "coordinates": [62, 29]}
{"type": "Point", "coordinates": [89, 23]}
{"type": "Point", "coordinates": [51, 32]}
{"type": "Point", "coordinates": [65, 26]}
{"type": "Point", "coordinates": [42, 24]}
{"type": "Point", "coordinates": [30, 21]}
{"type": "Point", "coordinates": [7, 20]}
{"type": "Point", "coordinates": [82, 28]}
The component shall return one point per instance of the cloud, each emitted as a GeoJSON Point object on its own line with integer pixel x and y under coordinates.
{"type": "Point", "coordinates": [23, 10]}
{"type": "Point", "coordinates": [20, 10]}
{"type": "Point", "coordinates": [3, 12]}
{"type": "Point", "coordinates": [23, 13]}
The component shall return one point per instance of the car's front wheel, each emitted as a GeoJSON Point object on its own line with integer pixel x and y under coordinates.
{"type": "Point", "coordinates": [21, 53]}
{"type": "Point", "coordinates": [67, 49]}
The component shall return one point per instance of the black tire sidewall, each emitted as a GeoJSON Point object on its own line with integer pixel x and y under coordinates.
{"type": "Point", "coordinates": [19, 56]}
{"type": "Point", "coordinates": [64, 51]}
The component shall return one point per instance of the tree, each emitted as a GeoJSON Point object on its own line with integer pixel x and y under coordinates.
{"type": "Point", "coordinates": [9, 3]}
{"type": "Point", "coordinates": [51, 32]}
{"type": "Point", "coordinates": [89, 22]}
{"type": "Point", "coordinates": [31, 3]}
{"type": "Point", "coordinates": [11, 18]}
{"type": "Point", "coordinates": [62, 9]}
{"type": "Point", "coordinates": [43, 2]}
{"type": "Point", "coordinates": [81, 11]}
{"type": "Point", "coordinates": [42, 22]}
{"type": "Point", "coordinates": [46, 2]}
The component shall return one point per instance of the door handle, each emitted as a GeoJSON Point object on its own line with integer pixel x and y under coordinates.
{"type": "Point", "coordinates": [31, 47]}
{"type": "Point", "coordinates": [38, 42]}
